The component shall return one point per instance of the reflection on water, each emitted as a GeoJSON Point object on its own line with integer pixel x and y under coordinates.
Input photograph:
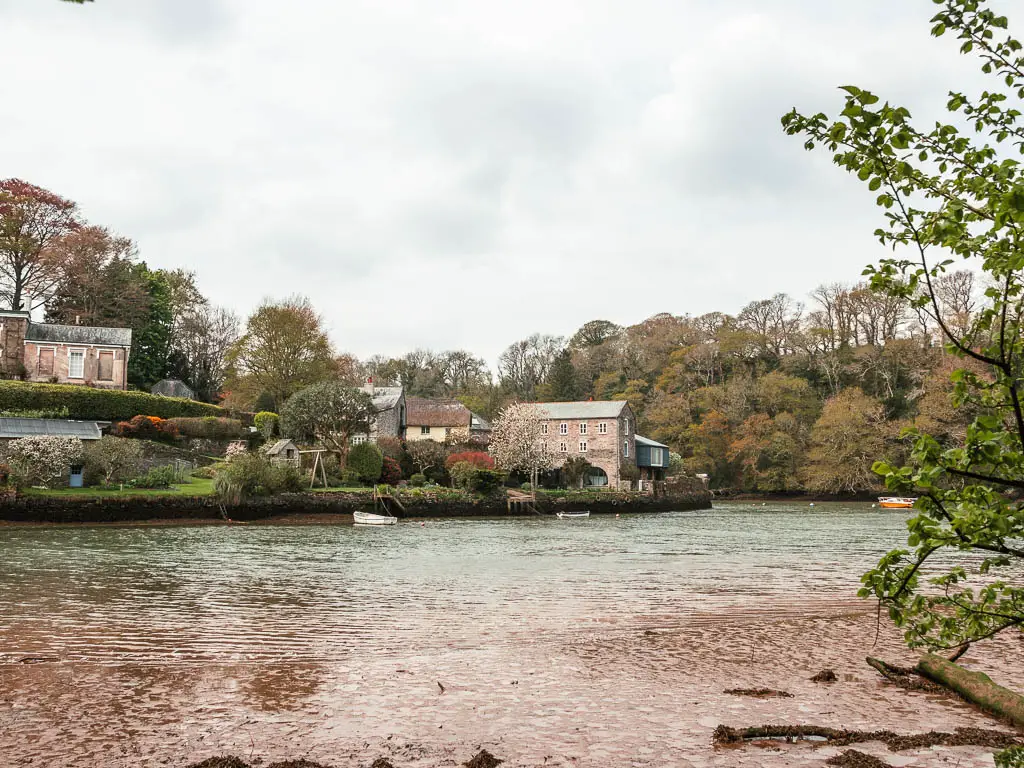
{"type": "Point", "coordinates": [322, 593]}
{"type": "Point", "coordinates": [587, 643]}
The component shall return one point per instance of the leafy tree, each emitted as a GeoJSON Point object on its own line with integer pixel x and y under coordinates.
{"type": "Point", "coordinates": [329, 413]}
{"type": "Point", "coordinates": [101, 282]}
{"type": "Point", "coordinates": [845, 442]}
{"type": "Point", "coordinates": [561, 384]}
{"type": "Point", "coordinates": [284, 348]}
{"type": "Point", "coordinates": [953, 190]}
{"type": "Point", "coordinates": [114, 459]}
{"type": "Point", "coordinates": [427, 454]}
{"type": "Point", "coordinates": [33, 222]}
{"type": "Point", "coordinates": [367, 461]}
{"type": "Point", "coordinates": [594, 333]}
{"type": "Point", "coordinates": [151, 338]}
{"type": "Point", "coordinates": [574, 470]}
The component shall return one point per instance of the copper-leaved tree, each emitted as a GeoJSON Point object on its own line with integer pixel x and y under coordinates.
{"type": "Point", "coordinates": [948, 192]}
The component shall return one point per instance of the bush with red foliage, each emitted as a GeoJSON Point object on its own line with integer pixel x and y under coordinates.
{"type": "Point", "coordinates": [391, 472]}
{"type": "Point", "coordinates": [478, 459]}
{"type": "Point", "coordinates": [147, 428]}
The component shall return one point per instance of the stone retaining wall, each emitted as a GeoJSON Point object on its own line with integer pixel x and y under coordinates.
{"type": "Point", "coordinates": [52, 509]}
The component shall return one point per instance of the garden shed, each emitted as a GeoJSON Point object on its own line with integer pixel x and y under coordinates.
{"type": "Point", "coordinates": [283, 453]}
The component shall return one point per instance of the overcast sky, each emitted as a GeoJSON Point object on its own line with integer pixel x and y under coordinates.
{"type": "Point", "coordinates": [462, 173]}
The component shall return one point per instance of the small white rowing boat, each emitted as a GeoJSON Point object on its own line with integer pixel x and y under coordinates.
{"type": "Point", "coordinates": [572, 515]}
{"type": "Point", "coordinates": [369, 518]}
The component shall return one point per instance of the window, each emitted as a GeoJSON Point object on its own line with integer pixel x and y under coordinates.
{"type": "Point", "coordinates": [358, 439]}
{"type": "Point", "coordinates": [563, 429]}
{"type": "Point", "coordinates": [105, 369]}
{"type": "Point", "coordinates": [543, 429]}
{"type": "Point", "coordinates": [424, 430]}
{"type": "Point", "coordinates": [76, 364]}
{"type": "Point", "coordinates": [625, 448]}
{"type": "Point", "coordinates": [563, 447]}
{"type": "Point", "coordinates": [45, 364]}
{"type": "Point", "coordinates": [626, 427]}
{"type": "Point", "coordinates": [583, 446]}
{"type": "Point", "coordinates": [583, 427]}
{"type": "Point", "coordinates": [602, 428]}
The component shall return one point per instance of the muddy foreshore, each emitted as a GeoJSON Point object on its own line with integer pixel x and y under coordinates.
{"type": "Point", "coordinates": [323, 506]}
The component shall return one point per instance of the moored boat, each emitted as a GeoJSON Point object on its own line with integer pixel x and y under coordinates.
{"type": "Point", "coordinates": [896, 502]}
{"type": "Point", "coordinates": [369, 518]}
{"type": "Point", "coordinates": [572, 515]}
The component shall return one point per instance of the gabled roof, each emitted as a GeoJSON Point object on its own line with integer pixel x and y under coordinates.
{"type": "Point", "coordinates": [587, 409]}
{"type": "Point", "coordinates": [278, 447]}
{"type": "Point", "coordinates": [646, 441]}
{"type": "Point", "coordinates": [478, 423]}
{"type": "Point", "coordinates": [78, 334]}
{"type": "Point", "coordinates": [384, 398]}
{"type": "Point", "coordinates": [173, 388]}
{"type": "Point", "coordinates": [421, 412]}
{"type": "Point", "coordinates": [15, 428]}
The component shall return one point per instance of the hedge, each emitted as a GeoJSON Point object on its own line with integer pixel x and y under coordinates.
{"type": "Point", "coordinates": [210, 428]}
{"type": "Point", "coordinates": [101, 404]}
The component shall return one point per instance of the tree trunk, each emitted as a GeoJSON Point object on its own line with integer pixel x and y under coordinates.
{"type": "Point", "coordinates": [976, 687]}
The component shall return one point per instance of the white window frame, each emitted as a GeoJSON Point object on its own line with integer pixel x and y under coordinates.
{"type": "Point", "coordinates": [100, 351]}
{"type": "Point", "coordinates": [424, 430]}
{"type": "Point", "coordinates": [583, 427]}
{"type": "Point", "coordinates": [625, 448]}
{"type": "Point", "coordinates": [73, 351]}
{"type": "Point", "coordinates": [583, 446]}
{"type": "Point", "coordinates": [563, 447]}
{"type": "Point", "coordinates": [563, 428]}
{"type": "Point", "coordinates": [602, 428]}
{"type": "Point", "coordinates": [626, 426]}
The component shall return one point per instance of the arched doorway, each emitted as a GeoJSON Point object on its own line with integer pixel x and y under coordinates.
{"type": "Point", "coordinates": [595, 478]}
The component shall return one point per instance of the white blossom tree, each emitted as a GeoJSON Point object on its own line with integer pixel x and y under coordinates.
{"type": "Point", "coordinates": [43, 460]}
{"type": "Point", "coordinates": [517, 443]}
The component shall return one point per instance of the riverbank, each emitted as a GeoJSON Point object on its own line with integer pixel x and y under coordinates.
{"type": "Point", "coordinates": [607, 642]}
{"type": "Point", "coordinates": [322, 505]}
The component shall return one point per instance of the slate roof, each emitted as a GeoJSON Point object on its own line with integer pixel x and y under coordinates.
{"type": "Point", "coordinates": [479, 424]}
{"type": "Point", "coordinates": [421, 412]}
{"type": "Point", "coordinates": [14, 428]}
{"type": "Point", "coordinates": [646, 441]}
{"type": "Point", "coordinates": [78, 334]}
{"type": "Point", "coordinates": [589, 409]}
{"type": "Point", "coordinates": [277, 448]}
{"type": "Point", "coordinates": [384, 398]}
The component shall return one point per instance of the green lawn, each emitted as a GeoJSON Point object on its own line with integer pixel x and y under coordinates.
{"type": "Point", "coordinates": [196, 486]}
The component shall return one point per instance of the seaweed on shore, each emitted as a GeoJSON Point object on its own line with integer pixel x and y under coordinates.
{"type": "Point", "coordinates": [961, 737]}
{"type": "Point", "coordinates": [759, 693]}
{"type": "Point", "coordinates": [484, 759]}
{"type": "Point", "coordinates": [854, 759]}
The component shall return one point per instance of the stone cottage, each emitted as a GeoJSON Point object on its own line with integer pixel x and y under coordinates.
{"type": "Point", "coordinates": [602, 432]}
{"type": "Point", "coordinates": [437, 420]}
{"type": "Point", "coordinates": [64, 354]}
{"type": "Point", "coordinates": [389, 417]}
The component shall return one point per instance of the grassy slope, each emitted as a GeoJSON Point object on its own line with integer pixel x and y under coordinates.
{"type": "Point", "coordinates": [196, 486]}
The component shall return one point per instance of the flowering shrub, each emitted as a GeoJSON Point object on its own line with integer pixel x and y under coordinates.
{"type": "Point", "coordinates": [5, 473]}
{"type": "Point", "coordinates": [111, 460]}
{"type": "Point", "coordinates": [147, 428]}
{"type": "Point", "coordinates": [478, 459]}
{"type": "Point", "coordinates": [236, 449]}
{"type": "Point", "coordinates": [391, 472]}
{"type": "Point", "coordinates": [43, 460]}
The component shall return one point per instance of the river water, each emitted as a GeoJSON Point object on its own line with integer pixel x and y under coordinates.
{"type": "Point", "coordinates": [605, 641]}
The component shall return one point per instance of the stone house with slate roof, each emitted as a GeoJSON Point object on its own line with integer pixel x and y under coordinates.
{"type": "Point", "coordinates": [602, 432]}
{"type": "Point", "coordinates": [63, 354]}
{"type": "Point", "coordinates": [389, 417]}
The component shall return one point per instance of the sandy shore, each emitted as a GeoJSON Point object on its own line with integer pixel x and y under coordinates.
{"type": "Point", "coordinates": [629, 698]}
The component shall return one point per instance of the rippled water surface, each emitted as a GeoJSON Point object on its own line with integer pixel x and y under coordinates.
{"type": "Point", "coordinates": [600, 642]}
{"type": "Point", "coordinates": [324, 592]}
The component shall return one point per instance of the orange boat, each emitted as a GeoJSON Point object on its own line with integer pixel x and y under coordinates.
{"type": "Point", "coordinates": [896, 502]}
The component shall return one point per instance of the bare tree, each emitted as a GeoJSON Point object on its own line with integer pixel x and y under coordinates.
{"type": "Point", "coordinates": [525, 364]}
{"type": "Point", "coordinates": [202, 342]}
